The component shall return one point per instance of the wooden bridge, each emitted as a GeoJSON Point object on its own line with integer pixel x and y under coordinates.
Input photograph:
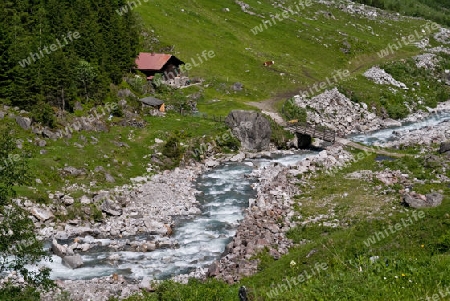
{"type": "Point", "coordinates": [329, 135]}
{"type": "Point", "coordinates": [316, 131]}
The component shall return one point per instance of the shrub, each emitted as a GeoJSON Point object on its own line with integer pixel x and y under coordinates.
{"type": "Point", "coordinates": [117, 111]}
{"type": "Point", "coordinates": [279, 136]}
{"type": "Point", "coordinates": [172, 149]}
{"type": "Point", "coordinates": [291, 111]}
{"type": "Point", "coordinates": [44, 114]}
{"type": "Point", "coordinates": [232, 143]}
{"type": "Point", "coordinates": [13, 293]}
{"type": "Point", "coordinates": [348, 93]}
{"type": "Point", "coordinates": [96, 213]}
{"type": "Point", "coordinates": [397, 110]}
{"type": "Point", "coordinates": [394, 105]}
{"type": "Point", "coordinates": [443, 95]}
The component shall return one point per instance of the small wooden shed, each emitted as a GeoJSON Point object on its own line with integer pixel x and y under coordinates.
{"type": "Point", "coordinates": [153, 102]}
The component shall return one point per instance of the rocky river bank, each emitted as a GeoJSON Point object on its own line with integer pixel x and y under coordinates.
{"type": "Point", "coordinates": [268, 218]}
{"type": "Point", "coordinates": [424, 137]}
{"type": "Point", "coordinates": [420, 129]}
{"type": "Point", "coordinates": [129, 213]}
{"type": "Point", "coordinates": [144, 209]}
{"type": "Point", "coordinates": [271, 214]}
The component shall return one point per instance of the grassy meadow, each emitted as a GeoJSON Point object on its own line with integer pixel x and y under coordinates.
{"type": "Point", "coordinates": [307, 47]}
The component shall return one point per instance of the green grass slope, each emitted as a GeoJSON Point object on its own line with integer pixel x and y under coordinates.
{"type": "Point", "coordinates": [306, 47]}
{"type": "Point", "coordinates": [437, 10]}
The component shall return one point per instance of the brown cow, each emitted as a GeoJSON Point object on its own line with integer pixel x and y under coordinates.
{"type": "Point", "coordinates": [268, 63]}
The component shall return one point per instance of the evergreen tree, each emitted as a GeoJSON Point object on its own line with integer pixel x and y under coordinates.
{"type": "Point", "coordinates": [30, 73]}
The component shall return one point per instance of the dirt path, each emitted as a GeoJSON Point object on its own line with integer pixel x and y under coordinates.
{"type": "Point", "coordinates": [268, 107]}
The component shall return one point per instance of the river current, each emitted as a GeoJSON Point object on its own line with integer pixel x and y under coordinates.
{"type": "Point", "coordinates": [225, 195]}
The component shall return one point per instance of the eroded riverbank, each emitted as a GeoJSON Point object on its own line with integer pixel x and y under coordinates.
{"type": "Point", "coordinates": [223, 193]}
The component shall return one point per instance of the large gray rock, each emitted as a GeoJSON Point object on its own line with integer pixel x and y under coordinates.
{"type": "Point", "coordinates": [237, 87]}
{"type": "Point", "coordinates": [100, 196]}
{"type": "Point", "coordinates": [110, 208]}
{"type": "Point", "coordinates": [211, 163]}
{"type": "Point", "coordinates": [381, 77]}
{"type": "Point", "coordinates": [49, 134]}
{"type": "Point", "coordinates": [42, 214]}
{"type": "Point", "coordinates": [147, 284]}
{"type": "Point", "coordinates": [85, 200]}
{"type": "Point", "coordinates": [73, 262]}
{"type": "Point", "coordinates": [68, 200]}
{"type": "Point", "coordinates": [70, 231]}
{"type": "Point", "coordinates": [70, 170]}
{"type": "Point", "coordinates": [434, 199]}
{"type": "Point", "coordinates": [41, 143]}
{"type": "Point", "coordinates": [125, 93]}
{"type": "Point", "coordinates": [58, 249]}
{"type": "Point", "coordinates": [109, 178]}
{"type": "Point", "coordinates": [238, 158]}
{"type": "Point", "coordinates": [415, 200]}
{"type": "Point", "coordinates": [23, 122]}
{"type": "Point", "coordinates": [155, 227]}
{"type": "Point", "coordinates": [214, 269]}
{"type": "Point", "coordinates": [445, 147]}
{"type": "Point", "coordinates": [251, 128]}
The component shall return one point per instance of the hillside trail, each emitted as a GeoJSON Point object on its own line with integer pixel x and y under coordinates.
{"type": "Point", "coordinates": [267, 107]}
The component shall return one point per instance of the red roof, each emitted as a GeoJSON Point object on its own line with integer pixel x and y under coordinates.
{"type": "Point", "coordinates": [152, 61]}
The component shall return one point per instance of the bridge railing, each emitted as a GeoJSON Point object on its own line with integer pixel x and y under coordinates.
{"type": "Point", "coordinates": [314, 130]}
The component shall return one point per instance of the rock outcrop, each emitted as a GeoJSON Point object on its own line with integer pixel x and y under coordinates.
{"type": "Point", "coordinates": [251, 128]}
{"type": "Point", "coordinates": [335, 111]}
{"type": "Point", "coordinates": [426, 60]}
{"type": "Point", "coordinates": [381, 77]}
{"type": "Point", "coordinates": [23, 122]}
{"type": "Point", "coordinates": [416, 200]}
{"type": "Point", "coordinates": [443, 36]}
{"type": "Point", "coordinates": [73, 262]}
